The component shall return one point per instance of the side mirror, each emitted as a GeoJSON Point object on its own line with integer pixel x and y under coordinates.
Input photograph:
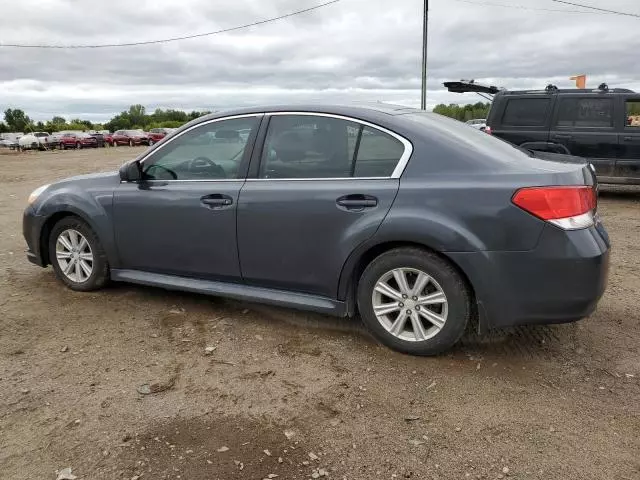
{"type": "Point", "coordinates": [130, 172]}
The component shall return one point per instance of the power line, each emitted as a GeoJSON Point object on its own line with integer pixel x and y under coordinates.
{"type": "Point", "coordinates": [173, 39]}
{"type": "Point", "coordinates": [603, 10]}
{"type": "Point", "coordinates": [523, 7]}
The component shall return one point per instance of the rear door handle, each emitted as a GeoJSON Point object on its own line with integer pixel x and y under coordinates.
{"type": "Point", "coordinates": [217, 200]}
{"type": "Point", "coordinates": [357, 202]}
{"type": "Point", "coordinates": [627, 139]}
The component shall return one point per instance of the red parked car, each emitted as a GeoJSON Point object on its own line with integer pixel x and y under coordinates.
{"type": "Point", "coordinates": [129, 137]}
{"type": "Point", "coordinates": [77, 140]}
{"type": "Point", "coordinates": [157, 134]}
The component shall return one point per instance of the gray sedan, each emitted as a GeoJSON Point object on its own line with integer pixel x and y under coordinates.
{"type": "Point", "coordinates": [417, 223]}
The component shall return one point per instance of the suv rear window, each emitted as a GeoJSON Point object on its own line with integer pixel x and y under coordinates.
{"type": "Point", "coordinates": [585, 112]}
{"type": "Point", "coordinates": [525, 112]}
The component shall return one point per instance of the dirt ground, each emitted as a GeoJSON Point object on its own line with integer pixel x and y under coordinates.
{"type": "Point", "coordinates": [297, 395]}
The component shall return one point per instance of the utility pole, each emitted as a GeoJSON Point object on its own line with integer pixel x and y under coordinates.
{"type": "Point", "coordinates": [425, 23]}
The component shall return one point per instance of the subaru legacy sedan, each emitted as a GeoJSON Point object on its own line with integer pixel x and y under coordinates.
{"type": "Point", "coordinates": [414, 222]}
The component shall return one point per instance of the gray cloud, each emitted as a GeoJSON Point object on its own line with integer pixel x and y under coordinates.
{"type": "Point", "coordinates": [356, 49]}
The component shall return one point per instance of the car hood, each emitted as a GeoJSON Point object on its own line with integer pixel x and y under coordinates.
{"type": "Point", "coordinates": [91, 179]}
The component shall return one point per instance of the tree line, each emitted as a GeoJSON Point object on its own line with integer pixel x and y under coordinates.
{"type": "Point", "coordinates": [463, 112]}
{"type": "Point", "coordinates": [136, 117]}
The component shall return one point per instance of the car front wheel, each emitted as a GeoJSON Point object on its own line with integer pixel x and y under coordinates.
{"type": "Point", "coordinates": [414, 301]}
{"type": "Point", "coordinates": [77, 256]}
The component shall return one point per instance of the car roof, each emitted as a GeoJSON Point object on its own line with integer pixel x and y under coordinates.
{"type": "Point", "coordinates": [347, 109]}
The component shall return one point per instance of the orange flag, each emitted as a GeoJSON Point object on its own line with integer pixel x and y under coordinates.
{"type": "Point", "coordinates": [581, 81]}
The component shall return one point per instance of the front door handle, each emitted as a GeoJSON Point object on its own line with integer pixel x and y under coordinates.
{"type": "Point", "coordinates": [627, 139]}
{"type": "Point", "coordinates": [357, 202]}
{"type": "Point", "coordinates": [217, 200]}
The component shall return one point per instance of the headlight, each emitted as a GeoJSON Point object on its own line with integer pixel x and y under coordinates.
{"type": "Point", "coordinates": [36, 193]}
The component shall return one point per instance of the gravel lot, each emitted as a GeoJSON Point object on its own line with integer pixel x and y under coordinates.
{"type": "Point", "coordinates": [298, 395]}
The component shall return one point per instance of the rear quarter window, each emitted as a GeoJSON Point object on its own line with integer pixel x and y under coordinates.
{"type": "Point", "coordinates": [526, 112]}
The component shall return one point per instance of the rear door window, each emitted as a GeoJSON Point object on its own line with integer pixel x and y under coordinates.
{"type": "Point", "coordinates": [317, 146]}
{"type": "Point", "coordinates": [378, 154]}
{"type": "Point", "coordinates": [585, 112]}
{"type": "Point", "coordinates": [526, 112]}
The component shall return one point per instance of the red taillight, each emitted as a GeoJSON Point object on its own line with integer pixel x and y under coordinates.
{"type": "Point", "coordinates": [567, 207]}
{"type": "Point", "coordinates": [487, 129]}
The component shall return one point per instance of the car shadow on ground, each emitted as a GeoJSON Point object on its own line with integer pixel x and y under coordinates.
{"type": "Point", "coordinates": [525, 342]}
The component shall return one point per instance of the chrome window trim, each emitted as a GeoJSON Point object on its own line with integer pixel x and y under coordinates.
{"type": "Point", "coordinates": [397, 172]}
{"type": "Point", "coordinates": [316, 179]}
{"type": "Point", "coordinates": [400, 166]}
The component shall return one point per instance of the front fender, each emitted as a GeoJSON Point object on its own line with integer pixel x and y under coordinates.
{"type": "Point", "coordinates": [95, 208]}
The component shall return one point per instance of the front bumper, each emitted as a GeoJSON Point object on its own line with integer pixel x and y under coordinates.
{"type": "Point", "coordinates": [560, 281]}
{"type": "Point", "coordinates": [31, 230]}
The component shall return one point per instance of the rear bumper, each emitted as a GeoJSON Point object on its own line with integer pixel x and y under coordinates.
{"type": "Point", "coordinates": [560, 281]}
{"type": "Point", "coordinates": [31, 230]}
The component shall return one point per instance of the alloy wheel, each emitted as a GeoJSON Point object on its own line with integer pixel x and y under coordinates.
{"type": "Point", "coordinates": [74, 256]}
{"type": "Point", "coordinates": [410, 304]}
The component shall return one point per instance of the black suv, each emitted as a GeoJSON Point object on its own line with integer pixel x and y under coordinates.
{"type": "Point", "coordinates": [601, 125]}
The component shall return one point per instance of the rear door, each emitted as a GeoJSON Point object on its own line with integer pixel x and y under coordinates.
{"type": "Point", "coordinates": [628, 162]}
{"type": "Point", "coordinates": [584, 124]}
{"type": "Point", "coordinates": [322, 185]}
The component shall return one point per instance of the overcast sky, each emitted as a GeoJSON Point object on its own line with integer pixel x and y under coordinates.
{"type": "Point", "coordinates": [355, 49]}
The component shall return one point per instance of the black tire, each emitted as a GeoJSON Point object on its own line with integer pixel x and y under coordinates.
{"type": "Point", "coordinates": [78, 145]}
{"type": "Point", "coordinates": [452, 284]}
{"type": "Point", "coordinates": [100, 272]}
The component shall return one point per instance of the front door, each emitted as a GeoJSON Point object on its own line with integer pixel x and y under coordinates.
{"type": "Point", "coordinates": [628, 163]}
{"type": "Point", "coordinates": [181, 218]}
{"type": "Point", "coordinates": [323, 187]}
{"type": "Point", "coordinates": [585, 125]}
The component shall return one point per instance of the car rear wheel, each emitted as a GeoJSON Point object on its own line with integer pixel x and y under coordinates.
{"type": "Point", "coordinates": [78, 145]}
{"type": "Point", "coordinates": [77, 256]}
{"type": "Point", "coordinates": [413, 301]}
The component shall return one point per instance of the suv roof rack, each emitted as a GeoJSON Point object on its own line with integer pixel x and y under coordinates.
{"type": "Point", "coordinates": [552, 89]}
{"type": "Point", "coordinates": [470, 86]}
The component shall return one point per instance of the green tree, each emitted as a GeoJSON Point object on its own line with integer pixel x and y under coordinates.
{"type": "Point", "coordinates": [56, 124]}
{"type": "Point", "coordinates": [3, 128]}
{"type": "Point", "coordinates": [16, 120]}
{"type": "Point", "coordinates": [463, 112]}
{"type": "Point", "coordinates": [40, 127]}
{"type": "Point", "coordinates": [137, 114]}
